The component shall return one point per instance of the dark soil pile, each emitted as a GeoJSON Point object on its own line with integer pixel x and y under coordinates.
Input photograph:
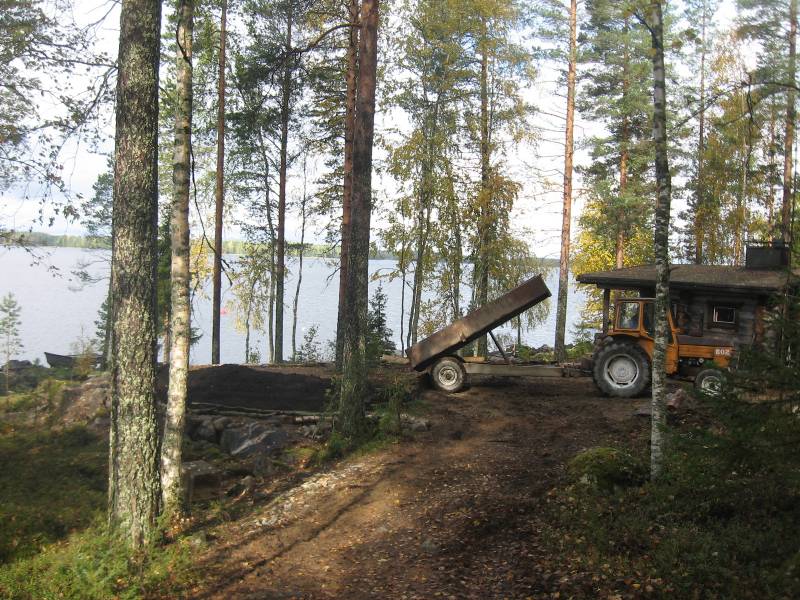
{"type": "Point", "coordinates": [239, 386]}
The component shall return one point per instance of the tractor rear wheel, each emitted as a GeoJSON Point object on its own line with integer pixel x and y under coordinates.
{"type": "Point", "coordinates": [621, 369]}
{"type": "Point", "coordinates": [448, 375]}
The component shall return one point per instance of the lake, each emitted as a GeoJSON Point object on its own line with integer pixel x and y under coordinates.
{"type": "Point", "coordinates": [57, 310]}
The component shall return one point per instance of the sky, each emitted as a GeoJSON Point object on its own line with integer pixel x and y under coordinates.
{"type": "Point", "coordinates": [539, 169]}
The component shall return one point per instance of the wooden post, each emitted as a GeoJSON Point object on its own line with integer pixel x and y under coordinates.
{"type": "Point", "coordinates": [606, 305]}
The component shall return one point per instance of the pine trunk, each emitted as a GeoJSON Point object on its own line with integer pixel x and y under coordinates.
{"type": "Point", "coordinates": [566, 218]}
{"type": "Point", "coordinates": [349, 128]}
{"type": "Point", "coordinates": [219, 192]}
{"type": "Point", "coordinates": [660, 242]}
{"type": "Point", "coordinates": [354, 373]}
{"type": "Point", "coordinates": [180, 314]}
{"type": "Point", "coordinates": [788, 140]}
{"type": "Point", "coordinates": [701, 141]}
{"type": "Point", "coordinates": [484, 232]}
{"type": "Point", "coordinates": [296, 302]}
{"type": "Point", "coordinates": [134, 490]}
{"type": "Point", "coordinates": [280, 275]}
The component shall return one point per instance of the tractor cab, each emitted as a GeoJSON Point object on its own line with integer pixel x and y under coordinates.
{"type": "Point", "coordinates": [623, 357]}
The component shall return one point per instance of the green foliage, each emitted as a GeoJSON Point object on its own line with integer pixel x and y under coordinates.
{"type": "Point", "coordinates": [311, 348]}
{"type": "Point", "coordinates": [379, 336]}
{"type": "Point", "coordinates": [725, 515]}
{"type": "Point", "coordinates": [94, 565]}
{"type": "Point", "coordinates": [10, 340]}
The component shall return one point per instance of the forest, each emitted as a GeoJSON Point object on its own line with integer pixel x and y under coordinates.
{"type": "Point", "coordinates": [471, 143]}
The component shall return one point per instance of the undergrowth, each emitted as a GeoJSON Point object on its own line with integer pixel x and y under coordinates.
{"type": "Point", "coordinates": [724, 519]}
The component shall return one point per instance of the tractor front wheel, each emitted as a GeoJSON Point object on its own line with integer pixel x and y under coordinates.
{"type": "Point", "coordinates": [708, 381]}
{"type": "Point", "coordinates": [621, 369]}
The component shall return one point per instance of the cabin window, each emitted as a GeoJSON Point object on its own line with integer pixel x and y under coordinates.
{"type": "Point", "coordinates": [628, 315]}
{"type": "Point", "coordinates": [723, 316]}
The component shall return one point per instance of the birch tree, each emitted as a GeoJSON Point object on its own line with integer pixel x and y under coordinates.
{"type": "Point", "coordinates": [180, 314]}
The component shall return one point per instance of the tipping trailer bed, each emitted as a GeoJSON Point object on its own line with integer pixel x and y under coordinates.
{"type": "Point", "coordinates": [438, 351]}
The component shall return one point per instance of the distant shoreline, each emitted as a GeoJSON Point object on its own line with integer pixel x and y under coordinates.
{"type": "Point", "coordinates": [49, 240]}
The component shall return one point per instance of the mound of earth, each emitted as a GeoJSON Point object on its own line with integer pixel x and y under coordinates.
{"type": "Point", "coordinates": [240, 386]}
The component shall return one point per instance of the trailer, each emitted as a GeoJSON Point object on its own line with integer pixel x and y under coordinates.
{"type": "Point", "coordinates": [438, 353]}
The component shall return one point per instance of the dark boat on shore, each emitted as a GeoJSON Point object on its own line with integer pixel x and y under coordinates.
{"type": "Point", "coordinates": [60, 361]}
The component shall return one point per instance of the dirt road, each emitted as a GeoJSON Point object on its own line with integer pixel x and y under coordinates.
{"type": "Point", "coordinates": [454, 513]}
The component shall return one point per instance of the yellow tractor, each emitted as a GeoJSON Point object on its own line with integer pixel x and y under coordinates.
{"type": "Point", "coordinates": [622, 359]}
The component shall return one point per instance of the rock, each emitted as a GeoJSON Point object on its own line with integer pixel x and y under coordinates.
{"type": "Point", "coordinates": [677, 399]}
{"type": "Point", "coordinates": [429, 546]}
{"type": "Point", "coordinates": [252, 438]}
{"type": "Point", "coordinates": [205, 431]}
{"type": "Point", "coordinates": [195, 474]}
{"type": "Point", "coordinates": [415, 423]}
{"type": "Point", "coordinates": [220, 423]}
{"type": "Point", "coordinates": [247, 484]}
{"type": "Point", "coordinates": [643, 411]}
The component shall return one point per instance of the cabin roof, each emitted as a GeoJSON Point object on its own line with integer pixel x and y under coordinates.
{"type": "Point", "coordinates": [717, 278]}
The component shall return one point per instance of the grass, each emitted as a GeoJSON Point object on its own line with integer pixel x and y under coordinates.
{"type": "Point", "coordinates": [52, 483]}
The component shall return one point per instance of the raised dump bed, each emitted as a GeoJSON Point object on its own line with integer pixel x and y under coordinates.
{"type": "Point", "coordinates": [438, 352]}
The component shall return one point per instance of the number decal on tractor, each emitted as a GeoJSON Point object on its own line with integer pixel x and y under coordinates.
{"type": "Point", "coordinates": [722, 351]}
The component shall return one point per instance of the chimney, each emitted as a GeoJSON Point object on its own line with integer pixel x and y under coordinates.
{"type": "Point", "coordinates": [766, 255]}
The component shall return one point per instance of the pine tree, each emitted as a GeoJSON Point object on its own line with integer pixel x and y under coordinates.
{"type": "Point", "coordinates": [9, 333]}
{"type": "Point", "coordinates": [134, 490]}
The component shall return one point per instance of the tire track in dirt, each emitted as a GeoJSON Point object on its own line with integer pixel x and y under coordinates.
{"type": "Point", "coordinates": [447, 514]}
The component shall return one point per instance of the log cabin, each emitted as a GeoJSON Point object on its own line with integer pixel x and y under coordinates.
{"type": "Point", "coordinates": [712, 300]}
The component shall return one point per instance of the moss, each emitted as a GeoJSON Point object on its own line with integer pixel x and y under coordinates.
{"type": "Point", "coordinates": [607, 468]}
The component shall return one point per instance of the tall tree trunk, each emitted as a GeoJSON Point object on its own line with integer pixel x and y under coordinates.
{"type": "Point", "coordinates": [134, 490]}
{"type": "Point", "coordinates": [296, 302]}
{"type": "Point", "coordinates": [699, 193]}
{"type": "Point", "coordinates": [485, 209]}
{"type": "Point", "coordinates": [219, 192]}
{"type": "Point", "coordinates": [271, 227]}
{"type": "Point", "coordinates": [660, 242]}
{"type": "Point", "coordinates": [788, 140]}
{"type": "Point", "coordinates": [566, 218]}
{"type": "Point", "coordinates": [280, 275]}
{"type": "Point", "coordinates": [349, 128]}
{"type": "Point", "coordinates": [180, 314]}
{"type": "Point", "coordinates": [354, 368]}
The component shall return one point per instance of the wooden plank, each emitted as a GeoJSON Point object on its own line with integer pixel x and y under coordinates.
{"type": "Point", "coordinates": [501, 370]}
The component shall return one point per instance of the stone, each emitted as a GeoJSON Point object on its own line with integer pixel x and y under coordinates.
{"type": "Point", "coordinates": [643, 411]}
{"type": "Point", "coordinates": [252, 438]}
{"type": "Point", "coordinates": [197, 473]}
{"type": "Point", "coordinates": [205, 431]}
{"type": "Point", "coordinates": [220, 423]}
{"type": "Point", "coordinates": [247, 484]}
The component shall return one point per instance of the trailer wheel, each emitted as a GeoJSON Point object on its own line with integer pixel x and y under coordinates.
{"type": "Point", "coordinates": [447, 374]}
{"type": "Point", "coordinates": [621, 369]}
{"type": "Point", "coordinates": [708, 381]}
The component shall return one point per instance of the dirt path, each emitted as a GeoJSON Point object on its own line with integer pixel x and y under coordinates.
{"type": "Point", "coordinates": [451, 514]}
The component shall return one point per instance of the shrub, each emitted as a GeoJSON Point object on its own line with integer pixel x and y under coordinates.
{"type": "Point", "coordinates": [607, 468]}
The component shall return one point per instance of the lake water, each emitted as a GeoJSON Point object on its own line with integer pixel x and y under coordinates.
{"type": "Point", "coordinates": [57, 310]}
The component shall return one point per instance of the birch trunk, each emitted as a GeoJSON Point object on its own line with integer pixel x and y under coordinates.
{"type": "Point", "coordinates": [701, 141]}
{"type": "Point", "coordinates": [484, 232]}
{"type": "Point", "coordinates": [354, 373]}
{"type": "Point", "coordinates": [180, 315]}
{"type": "Point", "coordinates": [134, 490]}
{"type": "Point", "coordinates": [660, 242]}
{"type": "Point", "coordinates": [296, 302]}
{"type": "Point", "coordinates": [219, 192]}
{"type": "Point", "coordinates": [566, 218]}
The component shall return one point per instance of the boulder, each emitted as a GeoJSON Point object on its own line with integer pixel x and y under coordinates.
{"type": "Point", "coordinates": [678, 399]}
{"type": "Point", "coordinates": [252, 438]}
